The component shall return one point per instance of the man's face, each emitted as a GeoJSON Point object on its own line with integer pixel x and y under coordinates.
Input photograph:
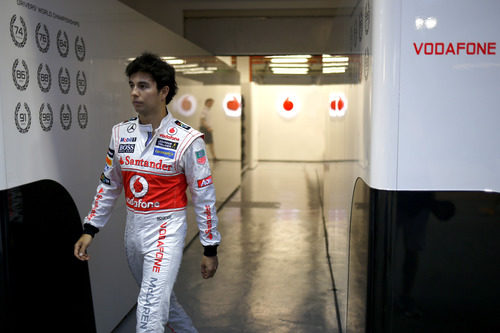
{"type": "Point", "coordinates": [144, 94]}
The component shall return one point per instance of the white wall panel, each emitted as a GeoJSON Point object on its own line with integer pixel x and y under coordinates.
{"type": "Point", "coordinates": [449, 102]}
{"type": "Point", "coordinates": [300, 138]}
{"type": "Point", "coordinates": [74, 156]}
{"type": "Point", "coordinates": [385, 102]}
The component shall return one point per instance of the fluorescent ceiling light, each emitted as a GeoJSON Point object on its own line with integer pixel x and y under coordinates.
{"type": "Point", "coordinates": [198, 68]}
{"type": "Point", "coordinates": [335, 64]}
{"type": "Point", "coordinates": [176, 61]}
{"type": "Point", "coordinates": [288, 60]}
{"type": "Point", "coordinates": [329, 58]}
{"type": "Point", "coordinates": [290, 56]}
{"type": "Point", "coordinates": [331, 70]}
{"type": "Point", "coordinates": [203, 71]}
{"type": "Point", "coordinates": [185, 66]}
{"type": "Point", "coordinates": [290, 70]}
{"type": "Point", "coordinates": [289, 65]}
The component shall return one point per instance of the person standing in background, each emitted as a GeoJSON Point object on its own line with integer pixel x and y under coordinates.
{"type": "Point", "coordinates": [206, 126]}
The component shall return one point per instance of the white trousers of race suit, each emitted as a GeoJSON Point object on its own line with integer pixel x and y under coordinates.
{"type": "Point", "coordinates": [156, 303]}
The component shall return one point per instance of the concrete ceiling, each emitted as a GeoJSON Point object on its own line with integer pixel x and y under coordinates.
{"type": "Point", "coordinates": [258, 27]}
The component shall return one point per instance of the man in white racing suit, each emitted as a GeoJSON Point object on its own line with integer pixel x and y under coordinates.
{"type": "Point", "coordinates": [154, 158]}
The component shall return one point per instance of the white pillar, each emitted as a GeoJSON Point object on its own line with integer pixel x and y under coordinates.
{"type": "Point", "coordinates": [250, 121]}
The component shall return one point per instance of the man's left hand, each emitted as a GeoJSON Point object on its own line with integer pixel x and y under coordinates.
{"type": "Point", "coordinates": [209, 266]}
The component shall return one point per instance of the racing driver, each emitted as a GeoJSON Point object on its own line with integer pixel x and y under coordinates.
{"type": "Point", "coordinates": [154, 158]}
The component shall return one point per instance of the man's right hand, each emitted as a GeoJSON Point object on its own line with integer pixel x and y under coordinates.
{"type": "Point", "coordinates": [81, 246]}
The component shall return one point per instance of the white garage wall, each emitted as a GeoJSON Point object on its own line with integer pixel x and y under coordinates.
{"type": "Point", "coordinates": [74, 157]}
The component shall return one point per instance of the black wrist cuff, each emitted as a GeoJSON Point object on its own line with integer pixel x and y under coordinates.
{"type": "Point", "coordinates": [89, 229]}
{"type": "Point", "coordinates": [210, 250]}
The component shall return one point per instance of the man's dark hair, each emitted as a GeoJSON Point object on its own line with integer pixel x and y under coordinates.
{"type": "Point", "coordinates": [162, 72]}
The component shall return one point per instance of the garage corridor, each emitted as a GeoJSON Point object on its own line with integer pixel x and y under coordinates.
{"type": "Point", "coordinates": [273, 274]}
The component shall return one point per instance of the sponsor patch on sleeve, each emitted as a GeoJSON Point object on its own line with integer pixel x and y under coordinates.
{"type": "Point", "coordinates": [164, 153]}
{"type": "Point", "coordinates": [105, 180]}
{"type": "Point", "coordinates": [201, 156]}
{"type": "Point", "coordinates": [205, 182]}
{"type": "Point", "coordinates": [109, 158]}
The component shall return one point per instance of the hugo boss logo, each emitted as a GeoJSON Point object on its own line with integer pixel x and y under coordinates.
{"type": "Point", "coordinates": [46, 117]}
{"type": "Point", "coordinates": [62, 43]}
{"type": "Point", "coordinates": [44, 78]}
{"type": "Point", "coordinates": [64, 80]}
{"type": "Point", "coordinates": [42, 38]}
{"type": "Point", "coordinates": [22, 117]}
{"type": "Point", "coordinates": [18, 31]}
{"type": "Point", "coordinates": [81, 82]}
{"type": "Point", "coordinates": [65, 117]}
{"type": "Point", "coordinates": [83, 116]}
{"type": "Point", "coordinates": [20, 74]}
{"type": "Point", "coordinates": [79, 48]}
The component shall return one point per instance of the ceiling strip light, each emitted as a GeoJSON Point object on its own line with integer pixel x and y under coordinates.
{"type": "Point", "coordinates": [290, 56]}
{"type": "Point", "coordinates": [176, 61]}
{"type": "Point", "coordinates": [290, 70]}
{"type": "Point", "coordinates": [331, 70]}
{"type": "Point", "coordinates": [335, 64]}
{"type": "Point", "coordinates": [288, 60]}
{"type": "Point", "coordinates": [328, 58]}
{"type": "Point", "coordinates": [289, 65]}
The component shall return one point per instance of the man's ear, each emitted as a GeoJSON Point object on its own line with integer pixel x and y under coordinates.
{"type": "Point", "coordinates": [164, 92]}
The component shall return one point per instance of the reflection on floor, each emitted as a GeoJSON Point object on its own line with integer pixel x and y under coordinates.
{"type": "Point", "coordinates": [273, 271]}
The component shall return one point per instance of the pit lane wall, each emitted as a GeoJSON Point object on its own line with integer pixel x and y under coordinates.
{"type": "Point", "coordinates": [421, 131]}
{"type": "Point", "coordinates": [62, 87]}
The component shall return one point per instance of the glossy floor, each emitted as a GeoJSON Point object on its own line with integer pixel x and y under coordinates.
{"type": "Point", "coordinates": [273, 270]}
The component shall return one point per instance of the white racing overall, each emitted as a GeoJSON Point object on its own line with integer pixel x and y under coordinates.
{"type": "Point", "coordinates": [155, 168]}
